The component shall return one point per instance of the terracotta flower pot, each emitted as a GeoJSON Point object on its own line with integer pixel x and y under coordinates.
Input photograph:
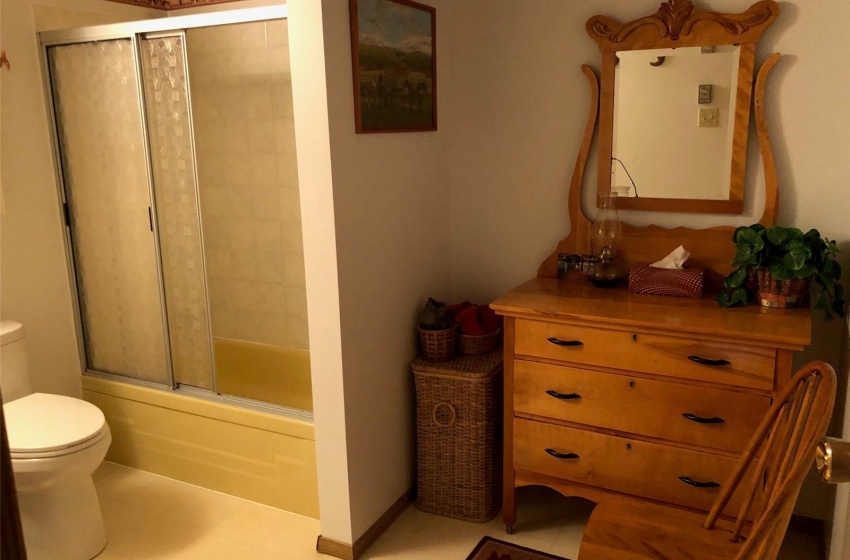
{"type": "Point", "coordinates": [779, 293]}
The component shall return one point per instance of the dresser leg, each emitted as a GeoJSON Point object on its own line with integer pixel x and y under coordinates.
{"type": "Point", "coordinates": [509, 507]}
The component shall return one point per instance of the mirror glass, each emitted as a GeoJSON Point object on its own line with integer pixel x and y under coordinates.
{"type": "Point", "coordinates": [674, 117]}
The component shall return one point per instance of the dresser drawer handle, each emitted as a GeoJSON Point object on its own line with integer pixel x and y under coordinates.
{"type": "Point", "coordinates": [563, 396]}
{"type": "Point", "coordinates": [703, 420]}
{"type": "Point", "coordinates": [560, 342]}
{"type": "Point", "coordinates": [708, 362]}
{"type": "Point", "coordinates": [698, 484]}
{"type": "Point", "coordinates": [558, 455]}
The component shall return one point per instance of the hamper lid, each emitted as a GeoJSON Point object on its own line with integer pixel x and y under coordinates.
{"type": "Point", "coordinates": [468, 366]}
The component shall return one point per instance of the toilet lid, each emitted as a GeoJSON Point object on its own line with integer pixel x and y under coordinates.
{"type": "Point", "coordinates": [42, 422]}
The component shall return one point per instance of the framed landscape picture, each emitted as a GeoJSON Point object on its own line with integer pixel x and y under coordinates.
{"type": "Point", "coordinates": [394, 58]}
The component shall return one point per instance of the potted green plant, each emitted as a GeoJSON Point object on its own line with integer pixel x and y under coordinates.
{"type": "Point", "coordinates": [778, 264]}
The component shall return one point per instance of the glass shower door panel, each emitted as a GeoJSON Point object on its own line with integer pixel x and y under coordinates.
{"type": "Point", "coordinates": [105, 174]}
{"type": "Point", "coordinates": [177, 214]}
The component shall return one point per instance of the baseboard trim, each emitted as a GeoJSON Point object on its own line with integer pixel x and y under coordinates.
{"type": "Point", "coordinates": [345, 551]}
{"type": "Point", "coordinates": [331, 547]}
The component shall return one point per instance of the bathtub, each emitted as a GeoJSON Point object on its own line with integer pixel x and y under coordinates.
{"type": "Point", "coordinates": [263, 372]}
{"type": "Point", "coordinates": [262, 457]}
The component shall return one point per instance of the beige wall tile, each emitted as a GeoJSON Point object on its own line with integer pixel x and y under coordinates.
{"type": "Point", "coordinates": [245, 141]}
{"type": "Point", "coordinates": [261, 135]}
{"type": "Point", "coordinates": [267, 203]}
{"type": "Point", "coordinates": [281, 99]}
{"type": "Point", "coordinates": [258, 101]}
{"type": "Point", "coordinates": [268, 235]}
{"type": "Point", "coordinates": [290, 204]}
{"type": "Point", "coordinates": [240, 202]}
{"type": "Point", "coordinates": [270, 266]}
{"type": "Point", "coordinates": [287, 172]}
{"type": "Point", "coordinates": [213, 201]}
{"type": "Point", "coordinates": [272, 295]}
{"type": "Point", "coordinates": [277, 33]}
{"type": "Point", "coordinates": [292, 238]}
{"type": "Point", "coordinates": [240, 233]}
{"type": "Point", "coordinates": [244, 265]}
{"type": "Point", "coordinates": [263, 170]}
{"type": "Point", "coordinates": [215, 232]}
{"type": "Point", "coordinates": [246, 296]}
{"type": "Point", "coordinates": [293, 265]}
{"type": "Point", "coordinates": [218, 261]}
{"type": "Point", "coordinates": [279, 71]}
{"type": "Point", "coordinates": [284, 136]}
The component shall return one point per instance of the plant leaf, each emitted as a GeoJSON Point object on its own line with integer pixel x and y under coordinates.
{"type": "Point", "coordinates": [780, 271]}
{"type": "Point", "coordinates": [805, 271]}
{"type": "Point", "coordinates": [737, 278]}
{"type": "Point", "coordinates": [751, 237]}
{"type": "Point", "coordinates": [776, 235]}
{"type": "Point", "coordinates": [743, 255]}
{"type": "Point", "coordinates": [738, 296]}
{"type": "Point", "coordinates": [796, 255]}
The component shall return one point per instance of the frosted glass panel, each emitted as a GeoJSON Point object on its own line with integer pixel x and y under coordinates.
{"type": "Point", "coordinates": [177, 209]}
{"type": "Point", "coordinates": [105, 172]}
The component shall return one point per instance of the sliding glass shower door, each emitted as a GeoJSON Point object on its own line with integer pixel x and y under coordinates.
{"type": "Point", "coordinates": [177, 215]}
{"type": "Point", "coordinates": [104, 164]}
{"type": "Point", "coordinates": [184, 230]}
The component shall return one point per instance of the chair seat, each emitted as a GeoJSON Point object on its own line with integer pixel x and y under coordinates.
{"type": "Point", "coordinates": [622, 529]}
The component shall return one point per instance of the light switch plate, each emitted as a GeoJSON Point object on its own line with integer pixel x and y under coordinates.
{"type": "Point", "coordinates": [709, 117]}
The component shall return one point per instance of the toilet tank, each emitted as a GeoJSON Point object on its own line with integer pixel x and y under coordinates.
{"type": "Point", "coordinates": [14, 372]}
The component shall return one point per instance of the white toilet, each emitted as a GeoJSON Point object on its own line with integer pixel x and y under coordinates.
{"type": "Point", "coordinates": [56, 443]}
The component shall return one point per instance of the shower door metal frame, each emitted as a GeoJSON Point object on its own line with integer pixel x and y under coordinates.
{"type": "Point", "coordinates": [181, 33]}
{"type": "Point", "coordinates": [134, 31]}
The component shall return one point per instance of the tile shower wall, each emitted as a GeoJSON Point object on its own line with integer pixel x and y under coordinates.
{"type": "Point", "coordinates": [245, 143]}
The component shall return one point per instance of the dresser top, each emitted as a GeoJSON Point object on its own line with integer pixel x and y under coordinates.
{"type": "Point", "coordinates": [576, 300]}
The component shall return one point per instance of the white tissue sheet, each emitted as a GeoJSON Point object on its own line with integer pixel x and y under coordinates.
{"type": "Point", "coordinates": [674, 260]}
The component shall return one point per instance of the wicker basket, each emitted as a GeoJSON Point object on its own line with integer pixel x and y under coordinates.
{"type": "Point", "coordinates": [458, 436]}
{"type": "Point", "coordinates": [779, 293]}
{"type": "Point", "coordinates": [438, 346]}
{"type": "Point", "coordinates": [477, 344]}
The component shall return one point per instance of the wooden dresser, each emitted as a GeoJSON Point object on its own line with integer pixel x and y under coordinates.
{"type": "Point", "coordinates": [609, 393]}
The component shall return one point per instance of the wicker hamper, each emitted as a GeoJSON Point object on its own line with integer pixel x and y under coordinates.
{"type": "Point", "coordinates": [459, 435]}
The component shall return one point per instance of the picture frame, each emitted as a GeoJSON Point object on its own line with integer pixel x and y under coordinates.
{"type": "Point", "coordinates": [394, 64]}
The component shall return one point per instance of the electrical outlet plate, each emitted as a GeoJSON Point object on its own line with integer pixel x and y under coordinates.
{"type": "Point", "coordinates": [709, 117]}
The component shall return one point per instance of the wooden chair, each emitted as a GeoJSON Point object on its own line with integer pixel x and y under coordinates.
{"type": "Point", "coordinates": [783, 450]}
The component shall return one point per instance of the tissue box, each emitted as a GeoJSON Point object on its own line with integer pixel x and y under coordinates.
{"type": "Point", "coordinates": [686, 282]}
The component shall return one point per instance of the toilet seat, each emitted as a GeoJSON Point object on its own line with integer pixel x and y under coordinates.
{"type": "Point", "coordinates": [42, 425]}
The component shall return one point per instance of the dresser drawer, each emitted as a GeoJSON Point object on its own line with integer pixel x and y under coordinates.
{"type": "Point", "coordinates": [713, 418]}
{"type": "Point", "coordinates": [643, 469]}
{"type": "Point", "coordinates": [730, 364]}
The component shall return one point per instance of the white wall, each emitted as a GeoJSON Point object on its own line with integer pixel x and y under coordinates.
{"type": "Point", "coordinates": [34, 278]}
{"type": "Point", "coordinates": [310, 101]}
{"type": "Point", "coordinates": [687, 161]}
{"type": "Point", "coordinates": [392, 216]}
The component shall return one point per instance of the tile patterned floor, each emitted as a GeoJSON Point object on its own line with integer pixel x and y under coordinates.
{"type": "Point", "coordinates": [151, 517]}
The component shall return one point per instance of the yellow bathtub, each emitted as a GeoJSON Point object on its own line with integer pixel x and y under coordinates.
{"type": "Point", "coordinates": [263, 372]}
{"type": "Point", "coordinates": [266, 458]}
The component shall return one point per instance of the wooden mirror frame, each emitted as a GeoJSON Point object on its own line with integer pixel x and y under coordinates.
{"type": "Point", "coordinates": [710, 248]}
{"type": "Point", "coordinates": [677, 24]}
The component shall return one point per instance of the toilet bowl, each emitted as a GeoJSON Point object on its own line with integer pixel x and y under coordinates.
{"type": "Point", "coordinates": [56, 443]}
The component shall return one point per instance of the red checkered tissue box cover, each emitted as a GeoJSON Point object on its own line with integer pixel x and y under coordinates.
{"type": "Point", "coordinates": [686, 282]}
